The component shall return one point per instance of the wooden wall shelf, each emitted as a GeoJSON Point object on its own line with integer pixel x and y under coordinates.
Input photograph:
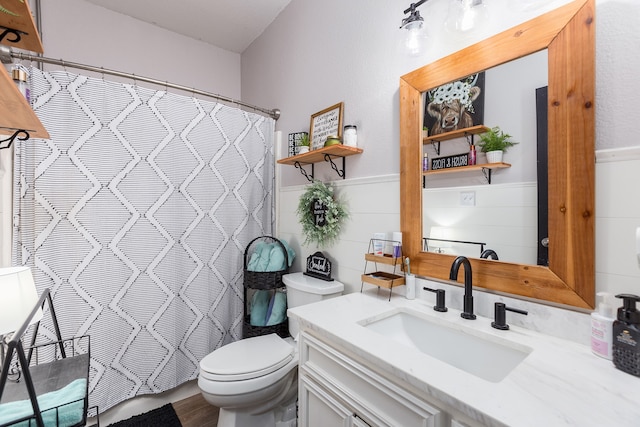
{"type": "Point", "coordinates": [18, 29]}
{"type": "Point", "coordinates": [325, 154]}
{"type": "Point", "coordinates": [17, 119]}
{"type": "Point", "coordinates": [316, 156]}
{"type": "Point", "coordinates": [474, 130]}
{"type": "Point", "coordinates": [489, 166]}
{"type": "Point", "coordinates": [16, 115]}
{"type": "Point", "coordinates": [486, 169]}
{"type": "Point", "coordinates": [435, 140]}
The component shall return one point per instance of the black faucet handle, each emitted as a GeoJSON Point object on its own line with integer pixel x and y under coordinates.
{"type": "Point", "coordinates": [439, 299]}
{"type": "Point", "coordinates": [500, 316]}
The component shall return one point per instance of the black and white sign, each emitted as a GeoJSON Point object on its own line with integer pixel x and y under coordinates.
{"type": "Point", "coordinates": [319, 266]}
{"type": "Point", "coordinates": [450, 161]}
{"type": "Point", "coordinates": [319, 210]}
{"type": "Point", "coordinates": [324, 123]}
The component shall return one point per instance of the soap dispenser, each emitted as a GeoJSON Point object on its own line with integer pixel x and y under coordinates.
{"type": "Point", "coordinates": [626, 336]}
{"type": "Point", "coordinates": [602, 326]}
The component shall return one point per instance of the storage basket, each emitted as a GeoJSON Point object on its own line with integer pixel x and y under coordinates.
{"type": "Point", "coordinates": [248, 330]}
{"type": "Point", "coordinates": [264, 279]}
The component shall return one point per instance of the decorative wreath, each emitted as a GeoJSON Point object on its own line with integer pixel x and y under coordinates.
{"type": "Point", "coordinates": [320, 214]}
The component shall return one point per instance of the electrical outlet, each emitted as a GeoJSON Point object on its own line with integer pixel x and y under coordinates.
{"type": "Point", "coordinates": [467, 198]}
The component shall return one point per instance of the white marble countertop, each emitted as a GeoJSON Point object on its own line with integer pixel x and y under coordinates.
{"type": "Point", "coordinates": [559, 382]}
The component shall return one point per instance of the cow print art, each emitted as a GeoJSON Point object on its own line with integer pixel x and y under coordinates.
{"type": "Point", "coordinates": [455, 105]}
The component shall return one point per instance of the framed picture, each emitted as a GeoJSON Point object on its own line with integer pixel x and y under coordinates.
{"type": "Point", "coordinates": [324, 123]}
{"type": "Point", "coordinates": [455, 105]}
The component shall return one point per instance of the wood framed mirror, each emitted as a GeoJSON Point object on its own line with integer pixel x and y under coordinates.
{"type": "Point", "coordinates": [568, 34]}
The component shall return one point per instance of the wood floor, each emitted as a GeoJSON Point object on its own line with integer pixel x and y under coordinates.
{"type": "Point", "coordinates": [194, 411]}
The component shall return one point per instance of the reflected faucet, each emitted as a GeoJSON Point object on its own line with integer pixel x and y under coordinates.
{"type": "Point", "coordinates": [467, 312]}
{"type": "Point", "coordinates": [489, 254]}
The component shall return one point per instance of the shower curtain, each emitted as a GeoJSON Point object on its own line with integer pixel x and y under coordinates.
{"type": "Point", "coordinates": [136, 214]}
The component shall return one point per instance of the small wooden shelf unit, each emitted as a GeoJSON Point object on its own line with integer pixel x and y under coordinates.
{"type": "Point", "coordinates": [383, 279]}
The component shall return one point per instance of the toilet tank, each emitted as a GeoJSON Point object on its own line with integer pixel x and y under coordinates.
{"type": "Point", "coordinates": [303, 289]}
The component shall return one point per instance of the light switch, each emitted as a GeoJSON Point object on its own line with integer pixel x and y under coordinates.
{"type": "Point", "coordinates": [467, 198]}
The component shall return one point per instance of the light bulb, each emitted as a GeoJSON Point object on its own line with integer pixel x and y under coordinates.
{"type": "Point", "coordinates": [464, 15]}
{"type": "Point", "coordinates": [415, 39]}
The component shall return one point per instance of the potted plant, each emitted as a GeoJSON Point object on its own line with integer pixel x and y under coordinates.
{"type": "Point", "coordinates": [303, 144]}
{"type": "Point", "coordinates": [494, 143]}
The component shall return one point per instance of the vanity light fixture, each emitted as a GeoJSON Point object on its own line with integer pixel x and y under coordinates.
{"type": "Point", "coordinates": [464, 15]}
{"type": "Point", "coordinates": [415, 38]}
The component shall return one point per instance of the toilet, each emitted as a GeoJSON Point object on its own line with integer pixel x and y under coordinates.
{"type": "Point", "coordinates": [254, 381]}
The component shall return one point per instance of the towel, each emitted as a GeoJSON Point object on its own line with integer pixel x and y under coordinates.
{"type": "Point", "coordinates": [259, 307]}
{"type": "Point", "coordinates": [270, 257]}
{"type": "Point", "coordinates": [276, 259]}
{"type": "Point", "coordinates": [278, 312]}
{"type": "Point", "coordinates": [290, 252]}
{"type": "Point", "coordinates": [69, 400]}
{"type": "Point", "coordinates": [260, 257]}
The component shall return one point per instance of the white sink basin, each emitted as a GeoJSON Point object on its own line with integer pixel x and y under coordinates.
{"type": "Point", "coordinates": [475, 352]}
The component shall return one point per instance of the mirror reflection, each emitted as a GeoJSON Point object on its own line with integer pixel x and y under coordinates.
{"type": "Point", "coordinates": [462, 214]}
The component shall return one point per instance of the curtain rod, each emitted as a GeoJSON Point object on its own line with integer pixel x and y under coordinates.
{"type": "Point", "coordinates": [273, 113]}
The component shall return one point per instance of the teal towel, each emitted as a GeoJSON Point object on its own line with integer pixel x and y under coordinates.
{"type": "Point", "coordinates": [270, 257]}
{"type": "Point", "coordinates": [279, 309]}
{"type": "Point", "coordinates": [266, 317]}
{"type": "Point", "coordinates": [290, 252]}
{"type": "Point", "coordinates": [259, 307]}
{"type": "Point", "coordinates": [260, 257]}
{"type": "Point", "coordinates": [70, 398]}
{"type": "Point", "coordinates": [276, 259]}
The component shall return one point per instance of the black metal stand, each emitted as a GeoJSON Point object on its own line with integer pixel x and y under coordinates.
{"type": "Point", "coordinates": [66, 361]}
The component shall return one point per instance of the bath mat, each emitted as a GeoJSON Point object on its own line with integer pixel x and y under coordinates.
{"type": "Point", "coordinates": [164, 416]}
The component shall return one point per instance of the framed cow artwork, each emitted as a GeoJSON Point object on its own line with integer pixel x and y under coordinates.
{"type": "Point", "coordinates": [455, 105]}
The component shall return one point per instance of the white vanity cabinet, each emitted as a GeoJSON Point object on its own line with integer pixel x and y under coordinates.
{"type": "Point", "coordinates": [337, 390]}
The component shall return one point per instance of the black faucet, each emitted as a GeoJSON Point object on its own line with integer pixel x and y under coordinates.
{"type": "Point", "coordinates": [489, 254]}
{"type": "Point", "coordinates": [467, 312]}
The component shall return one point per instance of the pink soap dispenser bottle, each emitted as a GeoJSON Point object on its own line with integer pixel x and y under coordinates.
{"type": "Point", "coordinates": [602, 327]}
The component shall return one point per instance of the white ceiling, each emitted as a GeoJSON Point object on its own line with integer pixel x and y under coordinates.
{"type": "Point", "coordinates": [228, 24]}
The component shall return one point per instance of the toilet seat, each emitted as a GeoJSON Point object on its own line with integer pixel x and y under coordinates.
{"type": "Point", "coordinates": [247, 359]}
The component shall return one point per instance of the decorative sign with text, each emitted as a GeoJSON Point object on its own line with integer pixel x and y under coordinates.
{"type": "Point", "coordinates": [319, 266]}
{"type": "Point", "coordinates": [294, 142]}
{"type": "Point", "coordinates": [450, 161]}
{"type": "Point", "coordinates": [319, 210]}
{"type": "Point", "coordinates": [324, 123]}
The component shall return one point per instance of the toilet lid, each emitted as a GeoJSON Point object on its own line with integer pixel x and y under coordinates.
{"type": "Point", "coordinates": [248, 358]}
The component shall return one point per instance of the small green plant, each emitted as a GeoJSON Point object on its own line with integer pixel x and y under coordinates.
{"type": "Point", "coordinates": [304, 140]}
{"type": "Point", "coordinates": [495, 140]}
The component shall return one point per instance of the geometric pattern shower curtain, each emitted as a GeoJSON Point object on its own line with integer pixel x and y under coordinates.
{"type": "Point", "coordinates": [136, 214]}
